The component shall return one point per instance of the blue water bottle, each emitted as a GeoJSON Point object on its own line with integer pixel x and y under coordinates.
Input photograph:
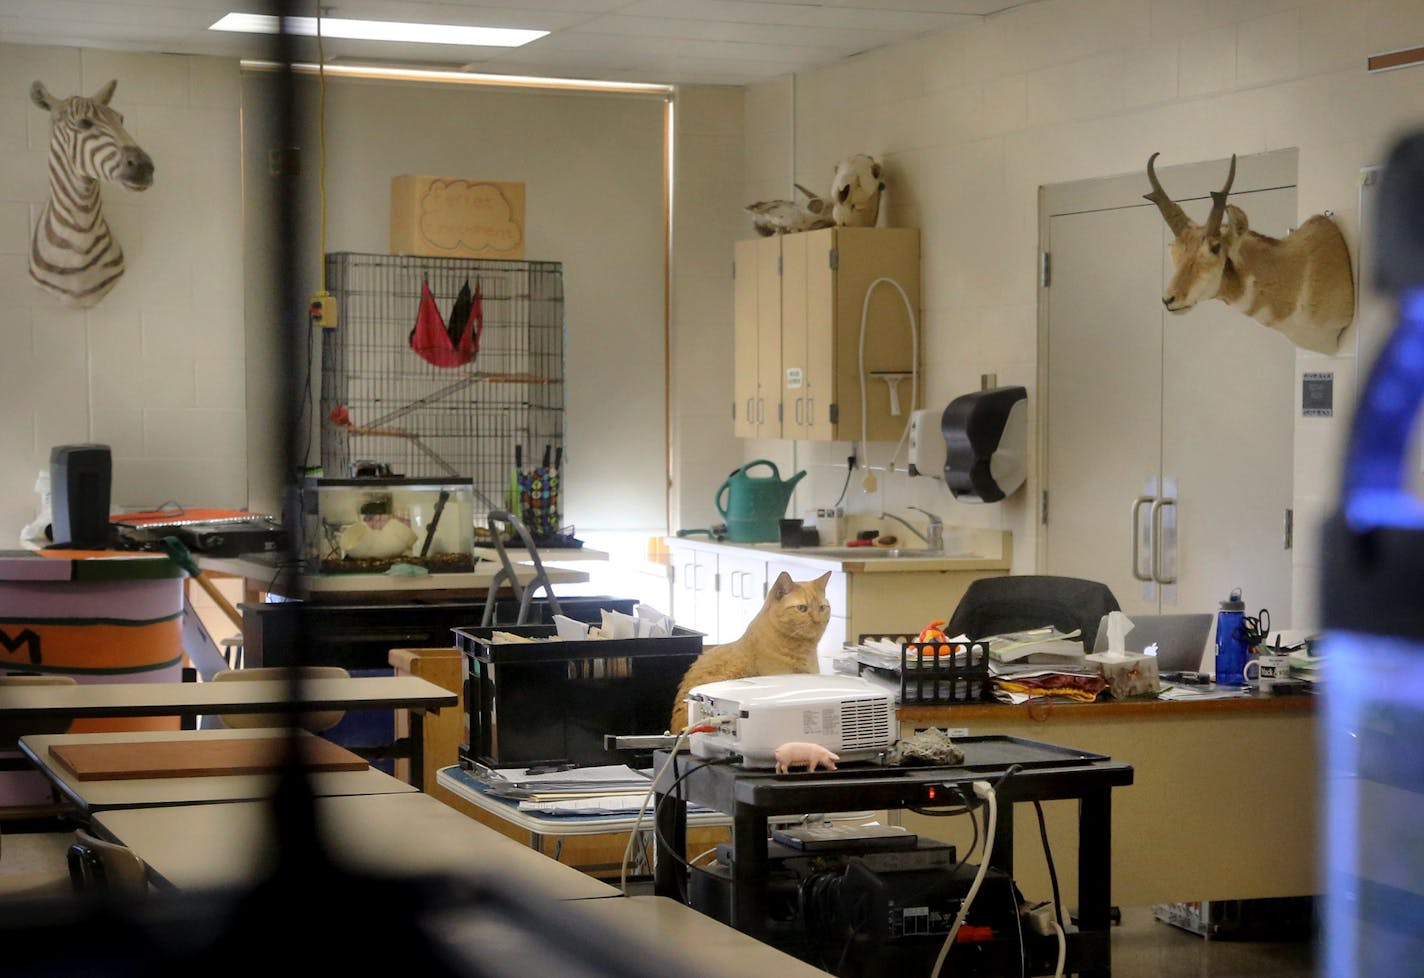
{"type": "Point", "coordinates": [1231, 651]}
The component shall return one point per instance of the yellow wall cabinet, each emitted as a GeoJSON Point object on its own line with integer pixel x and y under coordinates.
{"type": "Point", "coordinates": [798, 303]}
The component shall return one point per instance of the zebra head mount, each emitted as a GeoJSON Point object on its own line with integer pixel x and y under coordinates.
{"type": "Point", "coordinates": [73, 254]}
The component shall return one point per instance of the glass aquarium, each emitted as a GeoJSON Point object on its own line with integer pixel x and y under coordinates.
{"type": "Point", "coordinates": [368, 526]}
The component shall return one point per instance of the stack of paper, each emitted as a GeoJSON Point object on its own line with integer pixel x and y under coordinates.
{"type": "Point", "coordinates": [607, 790]}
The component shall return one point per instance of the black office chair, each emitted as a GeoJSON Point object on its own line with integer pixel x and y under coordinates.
{"type": "Point", "coordinates": [994, 605]}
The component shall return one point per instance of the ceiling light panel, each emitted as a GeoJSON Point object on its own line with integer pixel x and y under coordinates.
{"type": "Point", "coordinates": [381, 30]}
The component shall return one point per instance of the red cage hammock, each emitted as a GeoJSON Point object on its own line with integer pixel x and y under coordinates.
{"type": "Point", "coordinates": [456, 343]}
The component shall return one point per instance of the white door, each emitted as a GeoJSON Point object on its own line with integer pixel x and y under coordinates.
{"type": "Point", "coordinates": [1168, 439]}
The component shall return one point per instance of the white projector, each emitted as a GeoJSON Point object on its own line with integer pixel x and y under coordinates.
{"type": "Point", "coordinates": [850, 716]}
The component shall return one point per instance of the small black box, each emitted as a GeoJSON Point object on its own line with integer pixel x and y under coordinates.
{"type": "Point", "coordinates": [80, 479]}
{"type": "Point", "coordinates": [546, 701]}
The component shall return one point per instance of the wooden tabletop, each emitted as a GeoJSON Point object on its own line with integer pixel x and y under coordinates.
{"type": "Point", "coordinates": [212, 845]}
{"type": "Point", "coordinates": [1254, 704]}
{"type": "Point", "coordinates": [84, 700]}
{"type": "Point", "coordinates": [95, 796]}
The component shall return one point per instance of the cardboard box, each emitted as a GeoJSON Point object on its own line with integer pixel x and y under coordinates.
{"type": "Point", "coordinates": [449, 217]}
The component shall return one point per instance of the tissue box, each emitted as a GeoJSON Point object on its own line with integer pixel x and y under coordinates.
{"type": "Point", "coordinates": [1127, 673]}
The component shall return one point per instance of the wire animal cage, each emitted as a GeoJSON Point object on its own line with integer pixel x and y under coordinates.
{"type": "Point", "coordinates": [387, 407]}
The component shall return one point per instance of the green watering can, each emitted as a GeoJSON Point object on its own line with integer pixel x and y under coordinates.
{"type": "Point", "coordinates": [754, 505]}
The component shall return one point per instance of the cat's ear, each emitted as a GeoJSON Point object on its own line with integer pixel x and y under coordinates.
{"type": "Point", "coordinates": [782, 587]}
{"type": "Point", "coordinates": [822, 581]}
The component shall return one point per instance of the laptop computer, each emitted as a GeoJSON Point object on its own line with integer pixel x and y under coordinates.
{"type": "Point", "coordinates": [1181, 640]}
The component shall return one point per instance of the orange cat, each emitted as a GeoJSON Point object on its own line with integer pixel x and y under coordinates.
{"type": "Point", "coordinates": [780, 639]}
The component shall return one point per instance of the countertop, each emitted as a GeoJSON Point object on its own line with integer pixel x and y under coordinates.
{"type": "Point", "coordinates": [987, 550]}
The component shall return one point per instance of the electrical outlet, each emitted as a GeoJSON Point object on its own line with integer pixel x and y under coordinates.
{"type": "Point", "coordinates": [322, 311]}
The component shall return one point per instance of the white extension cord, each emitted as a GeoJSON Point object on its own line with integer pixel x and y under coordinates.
{"type": "Point", "coordinates": [986, 791]}
{"type": "Point", "coordinates": [643, 809]}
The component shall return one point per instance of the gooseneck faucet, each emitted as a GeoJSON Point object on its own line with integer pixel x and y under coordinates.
{"type": "Point", "coordinates": [933, 538]}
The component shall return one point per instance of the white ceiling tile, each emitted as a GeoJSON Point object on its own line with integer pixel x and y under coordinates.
{"type": "Point", "coordinates": [734, 42]}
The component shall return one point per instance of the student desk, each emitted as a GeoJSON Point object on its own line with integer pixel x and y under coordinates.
{"type": "Point", "coordinates": [407, 833]}
{"type": "Point", "coordinates": [259, 696]}
{"type": "Point", "coordinates": [94, 796]}
{"type": "Point", "coordinates": [465, 786]}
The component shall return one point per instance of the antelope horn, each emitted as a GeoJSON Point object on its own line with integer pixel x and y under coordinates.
{"type": "Point", "coordinates": [1218, 202]}
{"type": "Point", "coordinates": [1172, 213]}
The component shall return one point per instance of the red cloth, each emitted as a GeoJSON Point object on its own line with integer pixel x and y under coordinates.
{"type": "Point", "coordinates": [448, 346]}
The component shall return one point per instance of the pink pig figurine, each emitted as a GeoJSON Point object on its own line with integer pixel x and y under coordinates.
{"type": "Point", "coordinates": [798, 754]}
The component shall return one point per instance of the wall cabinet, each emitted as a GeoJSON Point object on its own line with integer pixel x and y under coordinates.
{"type": "Point", "coordinates": [797, 309]}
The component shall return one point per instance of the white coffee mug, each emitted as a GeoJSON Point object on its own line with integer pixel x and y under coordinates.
{"type": "Point", "coordinates": [1270, 669]}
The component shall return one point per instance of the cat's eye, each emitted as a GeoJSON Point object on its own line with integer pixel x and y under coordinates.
{"type": "Point", "coordinates": [800, 607]}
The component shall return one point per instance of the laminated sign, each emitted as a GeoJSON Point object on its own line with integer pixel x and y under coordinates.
{"type": "Point", "coordinates": [450, 217]}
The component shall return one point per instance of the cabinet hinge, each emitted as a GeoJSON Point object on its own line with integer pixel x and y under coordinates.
{"type": "Point", "coordinates": [734, 410]}
{"type": "Point", "coordinates": [1289, 534]}
{"type": "Point", "coordinates": [778, 264]}
{"type": "Point", "coordinates": [833, 258]}
{"type": "Point", "coordinates": [717, 583]}
{"type": "Point", "coordinates": [734, 269]}
{"type": "Point", "coordinates": [1043, 509]}
{"type": "Point", "coordinates": [1045, 269]}
{"type": "Point", "coordinates": [780, 412]}
{"type": "Point", "coordinates": [835, 413]}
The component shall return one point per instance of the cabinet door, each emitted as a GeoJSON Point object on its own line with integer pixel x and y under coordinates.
{"type": "Point", "coordinates": [881, 371]}
{"type": "Point", "coordinates": [1228, 430]}
{"type": "Point", "coordinates": [694, 592]}
{"type": "Point", "coordinates": [746, 272]}
{"type": "Point", "coordinates": [1104, 391]}
{"type": "Point", "coordinates": [1168, 438]}
{"type": "Point", "coordinates": [741, 595]}
{"type": "Point", "coordinates": [807, 340]}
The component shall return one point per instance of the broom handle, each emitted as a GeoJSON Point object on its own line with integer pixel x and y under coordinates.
{"type": "Point", "coordinates": [219, 599]}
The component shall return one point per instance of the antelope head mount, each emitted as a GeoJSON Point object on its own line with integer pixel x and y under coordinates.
{"type": "Point", "coordinates": [1301, 284]}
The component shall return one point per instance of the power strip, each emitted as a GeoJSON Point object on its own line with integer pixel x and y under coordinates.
{"type": "Point", "coordinates": [1040, 918]}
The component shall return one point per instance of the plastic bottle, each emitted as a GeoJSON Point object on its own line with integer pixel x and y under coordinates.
{"type": "Point", "coordinates": [1231, 649]}
{"type": "Point", "coordinates": [1372, 732]}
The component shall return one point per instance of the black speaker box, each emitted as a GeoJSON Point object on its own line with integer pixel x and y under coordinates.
{"type": "Point", "coordinates": [80, 478]}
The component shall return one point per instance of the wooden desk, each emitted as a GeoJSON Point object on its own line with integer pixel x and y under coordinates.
{"type": "Point", "coordinates": [97, 796]}
{"type": "Point", "coordinates": [214, 845]}
{"type": "Point", "coordinates": [209, 699]}
{"type": "Point", "coordinates": [1207, 775]}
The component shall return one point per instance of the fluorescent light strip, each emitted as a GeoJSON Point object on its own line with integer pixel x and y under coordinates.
{"type": "Point", "coordinates": [465, 78]}
{"type": "Point", "coordinates": [380, 30]}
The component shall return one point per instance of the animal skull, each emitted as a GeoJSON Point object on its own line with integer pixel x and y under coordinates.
{"type": "Point", "coordinates": [1301, 284]}
{"type": "Point", "coordinates": [855, 192]}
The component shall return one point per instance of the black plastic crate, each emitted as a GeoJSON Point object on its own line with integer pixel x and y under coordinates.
{"type": "Point", "coordinates": [529, 703]}
{"type": "Point", "coordinates": [929, 674]}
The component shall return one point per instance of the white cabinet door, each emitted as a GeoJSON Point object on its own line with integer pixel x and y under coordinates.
{"type": "Point", "coordinates": [694, 590]}
{"type": "Point", "coordinates": [742, 593]}
{"type": "Point", "coordinates": [1168, 439]}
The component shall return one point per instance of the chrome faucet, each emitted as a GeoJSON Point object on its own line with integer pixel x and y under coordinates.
{"type": "Point", "coordinates": [933, 538]}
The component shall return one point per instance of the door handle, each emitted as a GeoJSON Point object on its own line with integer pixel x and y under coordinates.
{"type": "Point", "coordinates": [1159, 506]}
{"type": "Point", "coordinates": [800, 403]}
{"type": "Point", "coordinates": [1135, 554]}
{"type": "Point", "coordinates": [751, 410]}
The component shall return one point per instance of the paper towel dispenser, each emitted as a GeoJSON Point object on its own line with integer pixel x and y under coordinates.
{"type": "Point", "coordinates": [986, 444]}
